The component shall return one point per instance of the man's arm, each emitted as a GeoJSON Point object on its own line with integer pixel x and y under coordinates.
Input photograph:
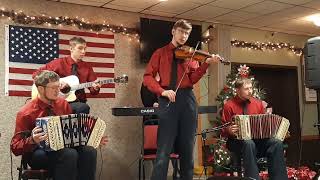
{"type": "Point", "coordinates": [152, 69]}
{"type": "Point", "coordinates": [196, 71]}
{"type": "Point", "coordinates": [227, 114]}
{"type": "Point", "coordinates": [92, 77]}
{"type": "Point", "coordinates": [20, 144]}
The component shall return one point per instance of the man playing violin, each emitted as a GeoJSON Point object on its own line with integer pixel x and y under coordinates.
{"type": "Point", "coordinates": [74, 65]}
{"type": "Point", "coordinates": [178, 109]}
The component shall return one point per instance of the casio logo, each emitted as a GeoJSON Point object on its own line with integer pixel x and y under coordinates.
{"type": "Point", "coordinates": [147, 111]}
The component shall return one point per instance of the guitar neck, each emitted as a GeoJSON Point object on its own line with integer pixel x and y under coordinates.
{"type": "Point", "coordinates": [90, 84]}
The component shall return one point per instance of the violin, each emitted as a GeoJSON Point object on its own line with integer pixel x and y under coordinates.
{"type": "Point", "coordinates": [185, 52]}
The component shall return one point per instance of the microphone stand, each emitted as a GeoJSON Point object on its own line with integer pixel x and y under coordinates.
{"type": "Point", "coordinates": [204, 138]}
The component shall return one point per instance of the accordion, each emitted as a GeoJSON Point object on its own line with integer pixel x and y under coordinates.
{"type": "Point", "coordinates": [261, 126]}
{"type": "Point", "coordinates": [71, 131]}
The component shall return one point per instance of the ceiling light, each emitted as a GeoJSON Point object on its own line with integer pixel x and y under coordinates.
{"type": "Point", "coordinates": [163, 0]}
{"type": "Point", "coordinates": [315, 18]}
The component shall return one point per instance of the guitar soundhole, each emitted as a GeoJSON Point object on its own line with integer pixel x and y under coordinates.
{"type": "Point", "coordinates": [65, 89]}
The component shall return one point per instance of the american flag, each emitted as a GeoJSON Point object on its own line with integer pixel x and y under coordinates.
{"type": "Point", "coordinates": [28, 48]}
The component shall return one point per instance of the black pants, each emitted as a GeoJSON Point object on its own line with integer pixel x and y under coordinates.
{"type": "Point", "coordinates": [178, 121]}
{"type": "Point", "coordinates": [249, 150]}
{"type": "Point", "coordinates": [67, 164]}
{"type": "Point", "coordinates": [80, 107]}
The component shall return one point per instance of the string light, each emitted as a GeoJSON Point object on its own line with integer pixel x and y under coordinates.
{"type": "Point", "coordinates": [81, 23]}
{"type": "Point", "coordinates": [266, 46]}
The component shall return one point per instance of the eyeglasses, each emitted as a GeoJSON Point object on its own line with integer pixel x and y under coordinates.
{"type": "Point", "coordinates": [53, 87]}
{"type": "Point", "coordinates": [183, 31]}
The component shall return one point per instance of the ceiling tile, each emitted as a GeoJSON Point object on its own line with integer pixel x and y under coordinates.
{"type": "Point", "coordinates": [86, 2]}
{"type": "Point", "coordinates": [266, 7]}
{"type": "Point", "coordinates": [315, 4]}
{"type": "Point", "coordinates": [236, 16]}
{"type": "Point", "coordinates": [266, 20]}
{"type": "Point", "coordinates": [199, 1]}
{"type": "Point", "coordinates": [138, 4]}
{"type": "Point", "coordinates": [232, 4]}
{"type": "Point", "coordinates": [174, 6]}
{"type": "Point", "coordinates": [123, 8]}
{"type": "Point", "coordinates": [158, 13]}
{"type": "Point", "coordinates": [297, 25]}
{"type": "Point", "coordinates": [294, 2]}
{"type": "Point", "coordinates": [206, 12]}
{"type": "Point", "coordinates": [295, 12]}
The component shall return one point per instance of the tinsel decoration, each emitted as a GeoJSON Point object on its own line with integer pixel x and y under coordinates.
{"type": "Point", "coordinates": [219, 156]}
{"type": "Point", "coordinates": [262, 46]}
{"type": "Point", "coordinates": [22, 18]}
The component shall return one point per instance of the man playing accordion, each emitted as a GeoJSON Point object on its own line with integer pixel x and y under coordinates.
{"type": "Point", "coordinates": [65, 164]}
{"type": "Point", "coordinates": [244, 104]}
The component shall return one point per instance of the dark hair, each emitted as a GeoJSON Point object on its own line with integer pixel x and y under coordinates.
{"type": "Point", "coordinates": [45, 77]}
{"type": "Point", "coordinates": [240, 82]}
{"type": "Point", "coordinates": [76, 40]}
{"type": "Point", "coordinates": [184, 24]}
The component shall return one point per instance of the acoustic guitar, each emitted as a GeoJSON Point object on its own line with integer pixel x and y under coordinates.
{"type": "Point", "coordinates": [72, 84]}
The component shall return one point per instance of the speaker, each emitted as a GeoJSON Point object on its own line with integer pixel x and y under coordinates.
{"type": "Point", "coordinates": [312, 63]}
{"type": "Point", "coordinates": [228, 178]}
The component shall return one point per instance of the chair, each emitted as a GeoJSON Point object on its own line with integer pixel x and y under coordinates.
{"type": "Point", "coordinates": [149, 148]}
{"type": "Point", "coordinates": [25, 172]}
{"type": "Point", "coordinates": [237, 164]}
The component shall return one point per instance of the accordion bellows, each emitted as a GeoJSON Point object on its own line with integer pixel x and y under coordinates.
{"type": "Point", "coordinates": [71, 131]}
{"type": "Point", "coordinates": [261, 126]}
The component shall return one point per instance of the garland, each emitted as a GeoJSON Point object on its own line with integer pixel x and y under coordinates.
{"type": "Point", "coordinates": [22, 18]}
{"type": "Point", "coordinates": [266, 46]}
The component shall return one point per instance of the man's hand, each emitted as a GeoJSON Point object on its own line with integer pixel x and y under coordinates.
{"type": "Point", "coordinates": [170, 94]}
{"type": "Point", "coordinates": [96, 85]}
{"type": "Point", "coordinates": [155, 104]}
{"type": "Point", "coordinates": [104, 141]}
{"type": "Point", "coordinates": [233, 130]}
{"type": "Point", "coordinates": [37, 135]}
{"type": "Point", "coordinates": [214, 59]}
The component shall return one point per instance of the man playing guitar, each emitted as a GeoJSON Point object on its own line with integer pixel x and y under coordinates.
{"type": "Point", "coordinates": [74, 65]}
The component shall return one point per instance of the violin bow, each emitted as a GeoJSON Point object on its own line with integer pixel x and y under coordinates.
{"type": "Point", "coordinates": [185, 71]}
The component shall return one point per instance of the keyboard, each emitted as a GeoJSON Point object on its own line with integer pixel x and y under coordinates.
{"type": "Point", "coordinates": [143, 111]}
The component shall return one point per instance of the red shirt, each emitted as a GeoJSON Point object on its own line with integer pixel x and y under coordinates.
{"type": "Point", "coordinates": [63, 67]}
{"type": "Point", "coordinates": [161, 61]}
{"type": "Point", "coordinates": [26, 121]}
{"type": "Point", "coordinates": [234, 106]}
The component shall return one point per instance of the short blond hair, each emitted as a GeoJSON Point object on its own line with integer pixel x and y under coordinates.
{"type": "Point", "coordinates": [76, 40]}
{"type": "Point", "coordinates": [240, 82]}
{"type": "Point", "coordinates": [45, 77]}
{"type": "Point", "coordinates": [184, 24]}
